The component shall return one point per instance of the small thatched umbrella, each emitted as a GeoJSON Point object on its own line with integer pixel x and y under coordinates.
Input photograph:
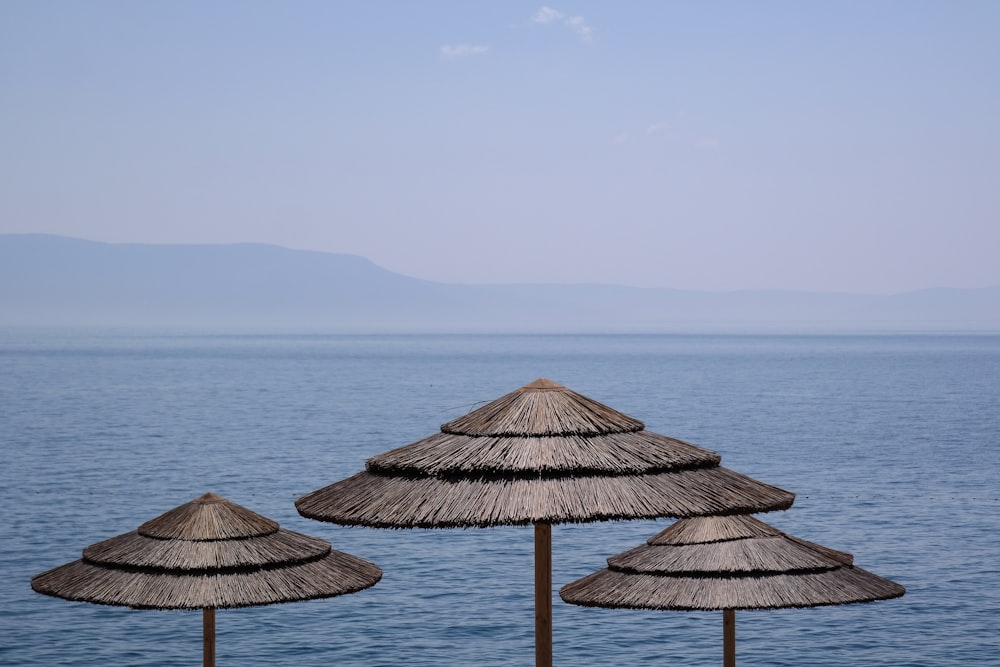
{"type": "Point", "coordinates": [207, 554]}
{"type": "Point", "coordinates": [540, 455]}
{"type": "Point", "coordinates": [728, 563]}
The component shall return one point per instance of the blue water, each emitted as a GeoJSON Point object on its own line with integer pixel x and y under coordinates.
{"type": "Point", "coordinates": [891, 443]}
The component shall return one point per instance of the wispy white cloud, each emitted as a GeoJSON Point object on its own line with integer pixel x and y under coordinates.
{"type": "Point", "coordinates": [461, 50]}
{"type": "Point", "coordinates": [577, 24]}
{"type": "Point", "coordinates": [547, 15]}
{"type": "Point", "coordinates": [581, 28]}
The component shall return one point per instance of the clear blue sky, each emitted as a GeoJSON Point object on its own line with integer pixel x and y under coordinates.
{"type": "Point", "coordinates": [835, 146]}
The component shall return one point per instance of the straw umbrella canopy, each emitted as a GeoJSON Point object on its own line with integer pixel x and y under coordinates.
{"type": "Point", "coordinates": [728, 563]}
{"type": "Point", "coordinates": [207, 554]}
{"type": "Point", "coordinates": [542, 454]}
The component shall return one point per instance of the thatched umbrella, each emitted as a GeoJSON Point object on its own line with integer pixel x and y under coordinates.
{"type": "Point", "coordinates": [540, 455]}
{"type": "Point", "coordinates": [728, 563]}
{"type": "Point", "coordinates": [207, 554]}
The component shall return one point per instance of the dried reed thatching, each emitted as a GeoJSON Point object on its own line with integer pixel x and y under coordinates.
{"type": "Point", "coordinates": [732, 562]}
{"type": "Point", "coordinates": [728, 563]}
{"type": "Point", "coordinates": [541, 454]}
{"type": "Point", "coordinates": [207, 554]}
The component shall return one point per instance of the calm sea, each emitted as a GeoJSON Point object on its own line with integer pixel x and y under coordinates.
{"type": "Point", "coordinates": [891, 443]}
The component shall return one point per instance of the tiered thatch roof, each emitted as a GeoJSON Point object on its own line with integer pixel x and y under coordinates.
{"type": "Point", "coordinates": [730, 562]}
{"type": "Point", "coordinates": [208, 553]}
{"type": "Point", "coordinates": [542, 453]}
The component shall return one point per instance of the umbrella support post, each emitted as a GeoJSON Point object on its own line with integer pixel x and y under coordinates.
{"type": "Point", "coordinates": [543, 594]}
{"type": "Point", "coordinates": [728, 638]}
{"type": "Point", "coordinates": [208, 631]}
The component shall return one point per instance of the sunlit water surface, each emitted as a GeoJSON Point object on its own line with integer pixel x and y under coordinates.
{"type": "Point", "coordinates": [891, 443]}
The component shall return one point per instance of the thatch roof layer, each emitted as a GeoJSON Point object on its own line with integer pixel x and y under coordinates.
{"type": "Point", "coordinates": [542, 408]}
{"type": "Point", "coordinates": [761, 556]}
{"type": "Point", "coordinates": [610, 588]}
{"type": "Point", "coordinates": [731, 562]}
{"type": "Point", "coordinates": [429, 502]}
{"type": "Point", "coordinates": [208, 553]}
{"type": "Point", "coordinates": [702, 530]}
{"type": "Point", "coordinates": [136, 550]}
{"type": "Point", "coordinates": [336, 573]}
{"type": "Point", "coordinates": [623, 453]}
{"type": "Point", "coordinates": [208, 517]}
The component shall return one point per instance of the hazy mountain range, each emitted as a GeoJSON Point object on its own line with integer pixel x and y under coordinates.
{"type": "Point", "coordinates": [58, 281]}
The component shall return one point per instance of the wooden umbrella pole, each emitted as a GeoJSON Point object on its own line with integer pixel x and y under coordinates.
{"type": "Point", "coordinates": [208, 639]}
{"type": "Point", "coordinates": [543, 594]}
{"type": "Point", "coordinates": [728, 638]}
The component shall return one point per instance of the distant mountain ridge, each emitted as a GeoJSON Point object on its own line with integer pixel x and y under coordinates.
{"type": "Point", "coordinates": [58, 281]}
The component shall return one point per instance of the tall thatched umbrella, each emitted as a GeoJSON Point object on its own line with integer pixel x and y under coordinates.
{"type": "Point", "coordinates": [207, 554]}
{"type": "Point", "coordinates": [728, 563]}
{"type": "Point", "coordinates": [540, 455]}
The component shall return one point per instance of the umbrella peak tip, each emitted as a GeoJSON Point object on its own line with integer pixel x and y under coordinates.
{"type": "Point", "coordinates": [209, 498]}
{"type": "Point", "coordinates": [542, 384]}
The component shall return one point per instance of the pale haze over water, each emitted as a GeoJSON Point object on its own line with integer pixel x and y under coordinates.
{"type": "Point", "coordinates": [848, 146]}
